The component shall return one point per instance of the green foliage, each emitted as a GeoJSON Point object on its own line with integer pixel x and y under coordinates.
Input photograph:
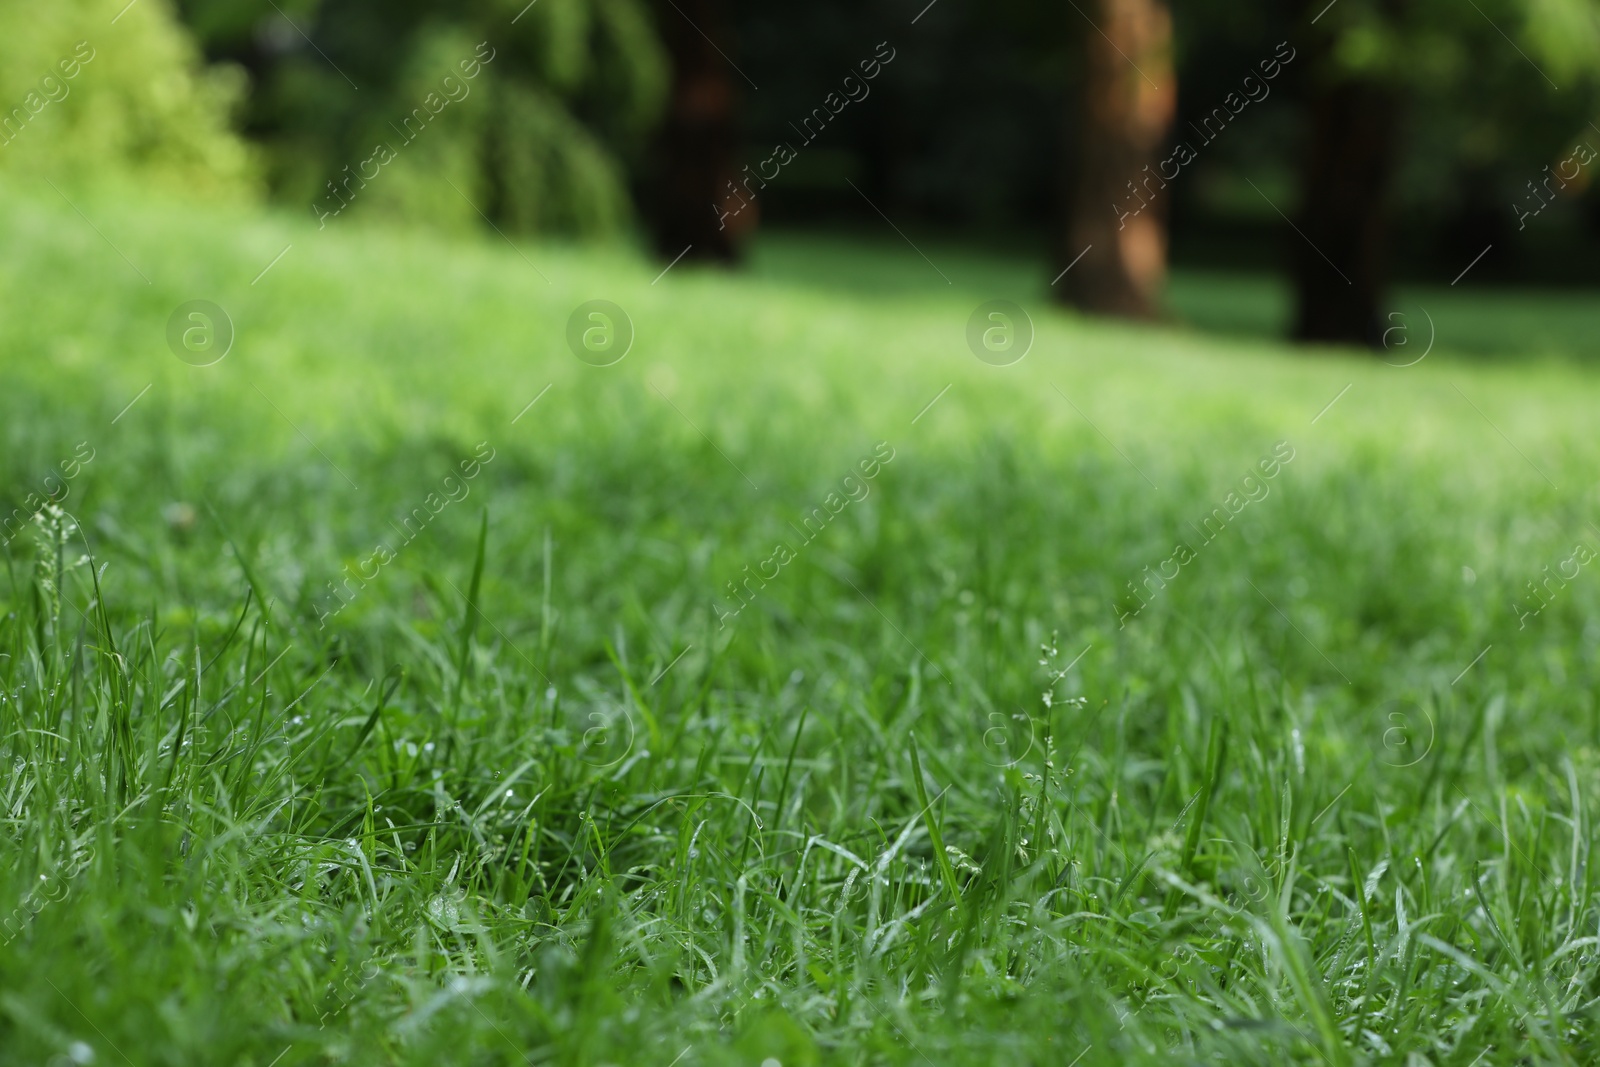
{"type": "Point", "coordinates": [90, 99]}
{"type": "Point", "coordinates": [1435, 44]}
{"type": "Point", "coordinates": [1486, 94]}
{"type": "Point", "coordinates": [1566, 34]}
{"type": "Point", "coordinates": [1504, 87]}
{"type": "Point", "coordinates": [541, 143]}
{"type": "Point", "coordinates": [548, 171]}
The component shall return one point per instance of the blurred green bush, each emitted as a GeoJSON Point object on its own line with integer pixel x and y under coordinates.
{"type": "Point", "coordinates": [93, 92]}
{"type": "Point", "coordinates": [540, 140]}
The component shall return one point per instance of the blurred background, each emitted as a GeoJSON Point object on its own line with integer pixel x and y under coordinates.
{"type": "Point", "coordinates": [1182, 157]}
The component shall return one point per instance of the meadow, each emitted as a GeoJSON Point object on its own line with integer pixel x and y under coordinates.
{"type": "Point", "coordinates": [935, 794]}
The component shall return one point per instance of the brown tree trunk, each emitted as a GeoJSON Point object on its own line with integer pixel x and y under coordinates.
{"type": "Point", "coordinates": [693, 201]}
{"type": "Point", "coordinates": [1341, 254]}
{"type": "Point", "coordinates": [1130, 98]}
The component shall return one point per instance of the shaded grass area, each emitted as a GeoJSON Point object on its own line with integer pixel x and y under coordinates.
{"type": "Point", "coordinates": [986, 772]}
{"type": "Point", "coordinates": [1488, 322]}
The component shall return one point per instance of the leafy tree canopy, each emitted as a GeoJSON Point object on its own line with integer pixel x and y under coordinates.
{"type": "Point", "coordinates": [539, 138]}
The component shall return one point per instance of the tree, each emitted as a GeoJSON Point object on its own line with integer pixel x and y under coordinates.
{"type": "Point", "coordinates": [692, 202]}
{"type": "Point", "coordinates": [85, 102]}
{"type": "Point", "coordinates": [1340, 265]}
{"type": "Point", "coordinates": [1115, 219]}
{"type": "Point", "coordinates": [526, 113]}
{"type": "Point", "coordinates": [1388, 75]}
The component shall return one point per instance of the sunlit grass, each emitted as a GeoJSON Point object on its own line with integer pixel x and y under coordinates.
{"type": "Point", "coordinates": [524, 798]}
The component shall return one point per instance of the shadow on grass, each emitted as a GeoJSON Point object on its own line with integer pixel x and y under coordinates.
{"type": "Point", "coordinates": [1480, 324]}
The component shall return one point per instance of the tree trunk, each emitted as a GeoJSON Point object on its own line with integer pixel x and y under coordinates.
{"type": "Point", "coordinates": [694, 201]}
{"type": "Point", "coordinates": [1480, 226]}
{"type": "Point", "coordinates": [1341, 254]}
{"type": "Point", "coordinates": [1129, 101]}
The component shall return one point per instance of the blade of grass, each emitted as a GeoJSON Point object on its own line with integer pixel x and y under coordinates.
{"type": "Point", "coordinates": [469, 622]}
{"type": "Point", "coordinates": [946, 872]}
{"type": "Point", "coordinates": [1216, 757]}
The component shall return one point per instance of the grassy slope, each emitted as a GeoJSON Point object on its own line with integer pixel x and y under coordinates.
{"type": "Point", "coordinates": [1258, 824]}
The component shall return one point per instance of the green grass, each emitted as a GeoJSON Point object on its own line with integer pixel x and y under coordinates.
{"type": "Point", "coordinates": [524, 799]}
{"type": "Point", "coordinates": [1549, 325]}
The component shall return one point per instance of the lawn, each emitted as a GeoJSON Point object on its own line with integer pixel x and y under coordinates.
{"type": "Point", "coordinates": [403, 689]}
